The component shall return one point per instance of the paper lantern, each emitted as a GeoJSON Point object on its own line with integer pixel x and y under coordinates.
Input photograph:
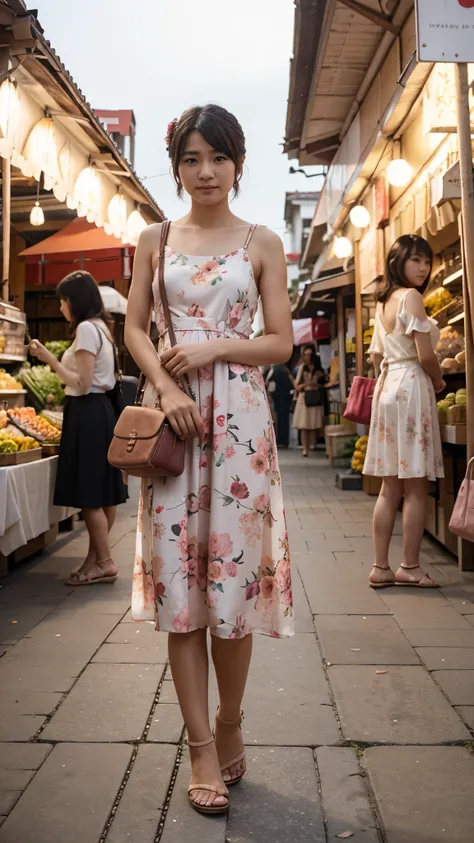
{"type": "Point", "coordinates": [342, 247]}
{"type": "Point", "coordinates": [37, 215]}
{"type": "Point", "coordinates": [9, 108]}
{"type": "Point", "coordinates": [86, 195]}
{"type": "Point", "coordinates": [359, 216]}
{"type": "Point", "coordinates": [117, 214]}
{"type": "Point", "coordinates": [40, 150]}
{"type": "Point", "coordinates": [399, 172]}
{"type": "Point", "coordinates": [135, 226]}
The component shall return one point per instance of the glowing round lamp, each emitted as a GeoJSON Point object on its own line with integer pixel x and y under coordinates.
{"type": "Point", "coordinates": [359, 216]}
{"type": "Point", "coordinates": [342, 247]}
{"type": "Point", "coordinates": [9, 108]}
{"type": "Point", "coordinates": [135, 226]}
{"type": "Point", "coordinates": [399, 172]}
{"type": "Point", "coordinates": [117, 214]}
{"type": "Point", "coordinates": [87, 192]}
{"type": "Point", "coordinates": [36, 215]}
{"type": "Point", "coordinates": [41, 151]}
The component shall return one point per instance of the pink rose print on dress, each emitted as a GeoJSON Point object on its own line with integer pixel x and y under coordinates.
{"type": "Point", "coordinates": [251, 528]}
{"type": "Point", "coordinates": [204, 497]}
{"type": "Point", "coordinates": [195, 310]}
{"type": "Point", "coordinates": [267, 588]}
{"type": "Point", "coordinates": [241, 628]}
{"type": "Point", "coordinates": [215, 571]}
{"type": "Point", "coordinates": [259, 464]}
{"type": "Point", "coordinates": [207, 273]}
{"type": "Point", "coordinates": [182, 622]}
{"type": "Point", "coordinates": [252, 590]}
{"type": "Point", "coordinates": [220, 420]}
{"type": "Point", "coordinates": [231, 569]}
{"type": "Point", "coordinates": [220, 545]}
{"type": "Point", "coordinates": [235, 314]}
{"type": "Point", "coordinates": [239, 490]}
{"type": "Point", "coordinates": [261, 503]}
{"type": "Point", "coordinates": [237, 368]}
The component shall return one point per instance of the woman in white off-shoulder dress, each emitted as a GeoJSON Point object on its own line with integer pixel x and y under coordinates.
{"type": "Point", "coordinates": [404, 442]}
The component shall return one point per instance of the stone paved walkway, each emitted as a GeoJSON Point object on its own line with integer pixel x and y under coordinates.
{"type": "Point", "coordinates": [362, 723]}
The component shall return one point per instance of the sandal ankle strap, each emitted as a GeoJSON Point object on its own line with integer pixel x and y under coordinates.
{"type": "Point", "coordinates": [230, 722]}
{"type": "Point", "coordinates": [201, 743]}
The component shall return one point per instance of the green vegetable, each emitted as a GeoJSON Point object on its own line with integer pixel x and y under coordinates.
{"type": "Point", "coordinates": [42, 383]}
{"type": "Point", "coordinates": [58, 347]}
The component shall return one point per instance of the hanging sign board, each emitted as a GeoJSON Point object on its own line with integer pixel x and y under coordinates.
{"type": "Point", "coordinates": [445, 30]}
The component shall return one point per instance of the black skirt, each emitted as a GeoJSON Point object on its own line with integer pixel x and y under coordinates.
{"type": "Point", "coordinates": [85, 479]}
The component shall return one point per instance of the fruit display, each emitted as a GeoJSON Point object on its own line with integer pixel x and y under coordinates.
{"type": "Point", "coordinates": [358, 458]}
{"type": "Point", "coordinates": [43, 385]}
{"type": "Point", "coordinates": [3, 419]}
{"type": "Point", "coordinates": [435, 301]}
{"type": "Point", "coordinates": [58, 347]}
{"type": "Point", "coordinates": [450, 350]}
{"type": "Point", "coordinates": [349, 448]}
{"type": "Point", "coordinates": [22, 442]}
{"type": "Point", "coordinates": [7, 382]}
{"type": "Point", "coordinates": [29, 423]}
{"type": "Point", "coordinates": [452, 408]}
{"type": "Point", "coordinates": [3, 341]}
{"type": "Point", "coordinates": [54, 417]}
{"type": "Point", "coordinates": [368, 334]}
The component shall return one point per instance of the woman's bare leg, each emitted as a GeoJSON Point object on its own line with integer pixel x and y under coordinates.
{"type": "Point", "coordinates": [313, 438]}
{"type": "Point", "coordinates": [91, 558]}
{"type": "Point", "coordinates": [414, 519]}
{"type": "Point", "coordinates": [98, 528]}
{"type": "Point", "coordinates": [231, 662]}
{"type": "Point", "coordinates": [305, 441]}
{"type": "Point", "coordinates": [190, 669]}
{"type": "Point", "coordinates": [385, 512]}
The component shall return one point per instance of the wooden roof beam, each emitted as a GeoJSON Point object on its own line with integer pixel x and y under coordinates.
{"type": "Point", "coordinates": [374, 17]}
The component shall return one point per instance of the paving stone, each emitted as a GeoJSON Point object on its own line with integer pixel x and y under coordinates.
{"type": "Point", "coordinates": [467, 714]}
{"type": "Point", "coordinates": [8, 798]}
{"type": "Point", "coordinates": [183, 824]}
{"type": "Point", "coordinates": [461, 596]}
{"type": "Point", "coordinates": [458, 685]}
{"type": "Point", "coordinates": [278, 799]}
{"type": "Point", "coordinates": [25, 619]}
{"type": "Point", "coordinates": [287, 698]}
{"type": "Point", "coordinates": [27, 756]}
{"type": "Point", "coordinates": [19, 727]}
{"type": "Point", "coordinates": [166, 725]}
{"type": "Point", "coordinates": [22, 702]}
{"type": "Point", "coordinates": [304, 618]}
{"type": "Point", "coordinates": [440, 637]}
{"type": "Point", "coordinates": [358, 640]}
{"type": "Point", "coordinates": [14, 779]}
{"type": "Point", "coordinates": [470, 619]}
{"type": "Point", "coordinates": [331, 590]}
{"type": "Point", "coordinates": [428, 608]}
{"type": "Point", "coordinates": [139, 811]}
{"type": "Point", "coordinates": [137, 651]}
{"type": "Point", "coordinates": [447, 658]}
{"type": "Point", "coordinates": [424, 794]}
{"type": "Point", "coordinates": [110, 702]}
{"type": "Point", "coordinates": [29, 675]}
{"type": "Point", "coordinates": [168, 691]}
{"type": "Point", "coordinates": [64, 801]}
{"type": "Point", "coordinates": [401, 706]}
{"type": "Point", "coordinates": [345, 797]}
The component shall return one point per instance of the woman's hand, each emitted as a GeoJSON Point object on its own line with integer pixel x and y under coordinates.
{"type": "Point", "coordinates": [300, 387]}
{"type": "Point", "coordinates": [439, 386]}
{"type": "Point", "coordinates": [183, 358]}
{"type": "Point", "coordinates": [182, 413]}
{"type": "Point", "coordinates": [38, 350]}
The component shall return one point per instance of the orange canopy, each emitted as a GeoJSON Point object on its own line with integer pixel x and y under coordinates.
{"type": "Point", "coordinates": [79, 236]}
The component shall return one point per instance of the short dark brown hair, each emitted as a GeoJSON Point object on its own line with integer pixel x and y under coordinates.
{"type": "Point", "coordinates": [219, 128]}
{"type": "Point", "coordinates": [406, 247]}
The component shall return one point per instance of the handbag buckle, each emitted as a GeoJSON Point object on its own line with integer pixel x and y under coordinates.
{"type": "Point", "coordinates": [132, 441]}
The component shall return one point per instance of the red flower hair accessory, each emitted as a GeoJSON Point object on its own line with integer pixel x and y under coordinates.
{"type": "Point", "coordinates": [169, 132]}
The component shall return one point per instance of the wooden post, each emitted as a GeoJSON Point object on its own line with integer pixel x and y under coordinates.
{"type": "Point", "coordinates": [6, 222]}
{"type": "Point", "coordinates": [358, 312]}
{"type": "Point", "coordinates": [466, 560]}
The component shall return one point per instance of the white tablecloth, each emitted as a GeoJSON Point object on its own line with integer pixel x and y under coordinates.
{"type": "Point", "coordinates": [26, 503]}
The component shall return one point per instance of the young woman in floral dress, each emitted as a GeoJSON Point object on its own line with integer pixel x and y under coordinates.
{"type": "Point", "coordinates": [212, 544]}
{"type": "Point", "coordinates": [404, 442]}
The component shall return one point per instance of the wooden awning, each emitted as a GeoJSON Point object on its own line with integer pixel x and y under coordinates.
{"type": "Point", "coordinates": [79, 236]}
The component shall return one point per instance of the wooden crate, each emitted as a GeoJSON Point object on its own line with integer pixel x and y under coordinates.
{"type": "Point", "coordinates": [20, 457]}
{"type": "Point", "coordinates": [371, 485]}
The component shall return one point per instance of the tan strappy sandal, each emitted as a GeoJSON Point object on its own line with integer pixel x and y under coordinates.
{"type": "Point", "coordinates": [387, 583]}
{"type": "Point", "coordinates": [207, 809]}
{"type": "Point", "coordinates": [424, 582]}
{"type": "Point", "coordinates": [229, 781]}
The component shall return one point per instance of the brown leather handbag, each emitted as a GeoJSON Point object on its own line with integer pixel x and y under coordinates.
{"type": "Point", "coordinates": [144, 443]}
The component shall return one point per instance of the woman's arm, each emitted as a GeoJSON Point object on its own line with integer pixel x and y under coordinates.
{"type": "Point", "coordinates": [376, 359]}
{"type": "Point", "coordinates": [180, 410]}
{"type": "Point", "coordinates": [428, 360]}
{"type": "Point", "coordinates": [80, 381]}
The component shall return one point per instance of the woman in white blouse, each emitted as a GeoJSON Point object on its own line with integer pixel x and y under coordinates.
{"type": "Point", "coordinates": [85, 479]}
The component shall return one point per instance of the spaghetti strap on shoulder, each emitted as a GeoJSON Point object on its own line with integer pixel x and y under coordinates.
{"type": "Point", "coordinates": [250, 234]}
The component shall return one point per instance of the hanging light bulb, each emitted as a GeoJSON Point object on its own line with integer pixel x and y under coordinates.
{"type": "Point", "coordinates": [40, 150]}
{"type": "Point", "coordinates": [399, 172]}
{"type": "Point", "coordinates": [359, 216]}
{"type": "Point", "coordinates": [117, 214]}
{"type": "Point", "coordinates": [86, 195]}
{"type": "Point", "coordinates": [135, 226]}
{"type": "Point", "coordinates": [37, 215]}
{"type": "Point", "coordinates": [9, 108]}
{"type": "Point", "coordinates": [342, 247]}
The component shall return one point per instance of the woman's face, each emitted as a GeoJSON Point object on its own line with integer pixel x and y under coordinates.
{"type": "Point", "coordinates": [208, 176]}
{"type": "Point", "coordinates": [417, 269]}
{"type": "Point", "coordinates": [66, 310]}
{"type": "Point", "coordinates": [307, 357]}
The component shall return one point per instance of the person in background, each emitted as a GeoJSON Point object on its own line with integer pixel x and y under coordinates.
{"type": "Point", "coordinates": [85, 479]}
{"type": "Point", "coordinates": [280, 384]}
{"type": "Point", "coordinates": [309, 420]}
{"type": "Point", "coordinates": [404, 442]}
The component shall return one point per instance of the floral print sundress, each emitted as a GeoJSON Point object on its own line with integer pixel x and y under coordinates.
{"type": "Point", "coordinates": [212, 545]}
{"type": "Point", "coordinates": [404, 438]}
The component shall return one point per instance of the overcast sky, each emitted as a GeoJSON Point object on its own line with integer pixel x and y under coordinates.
{"type": "Point", "coordinates": [161, 56]}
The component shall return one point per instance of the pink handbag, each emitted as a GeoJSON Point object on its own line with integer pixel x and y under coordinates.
{"type": "Point", "coordinates": [359, 403]}
{"type": "Point", "coordinates": [462, 519]}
